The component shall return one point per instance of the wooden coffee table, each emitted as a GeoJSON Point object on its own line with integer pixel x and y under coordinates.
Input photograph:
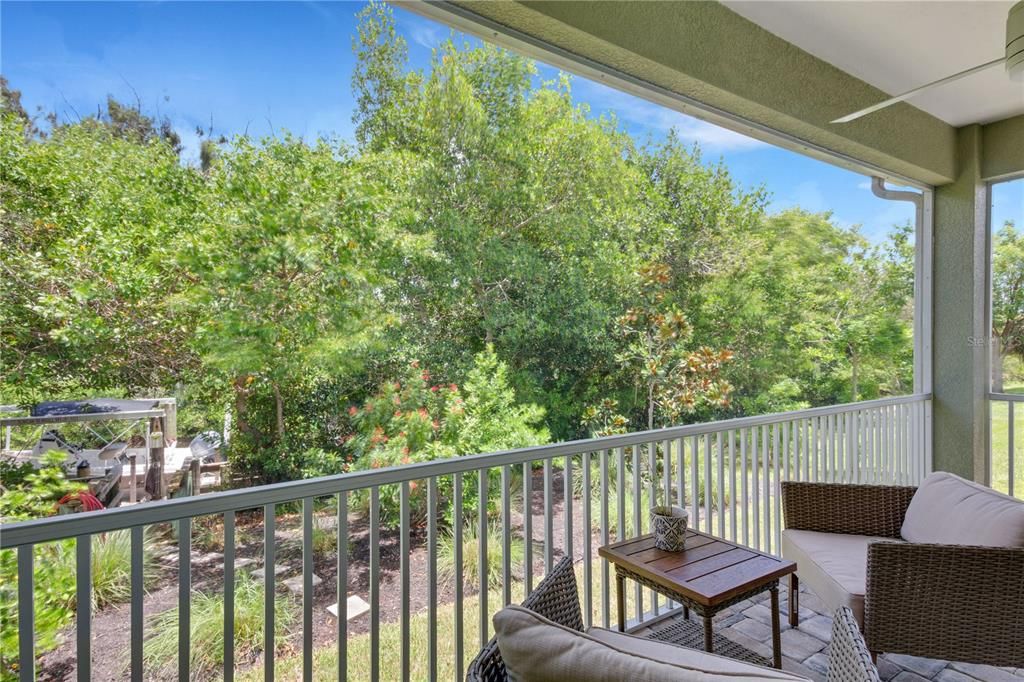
{"type": "Point", "coordinates": [707, 576]}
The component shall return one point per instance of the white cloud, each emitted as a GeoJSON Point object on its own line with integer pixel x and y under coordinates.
{"type": "Point", "coordinates": [866, 185]}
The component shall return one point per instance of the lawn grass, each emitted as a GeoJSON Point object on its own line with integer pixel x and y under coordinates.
{"type": "Point", "coordinates": [1001, 444]}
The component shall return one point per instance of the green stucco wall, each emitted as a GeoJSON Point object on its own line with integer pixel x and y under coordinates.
{"type": "Point", "coordinates": [1003, 148]}
{"type": "Point", "coordinates": [705, 51]}
{"type": "Point", "coordinates": [960, 385]}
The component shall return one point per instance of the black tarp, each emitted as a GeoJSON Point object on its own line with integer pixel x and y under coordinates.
{"type": "Point", "coordinates": [60, 408]}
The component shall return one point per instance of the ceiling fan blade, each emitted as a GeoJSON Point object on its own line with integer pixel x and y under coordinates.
{"type": "Point", "coordinates": [910, 93]}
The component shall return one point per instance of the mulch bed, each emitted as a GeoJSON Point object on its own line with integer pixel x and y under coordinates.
{"type": "Point", "coordinates": [110, 626]}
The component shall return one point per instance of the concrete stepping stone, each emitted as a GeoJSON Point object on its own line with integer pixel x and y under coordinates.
{"type": "Point", "coordinates": [356, 607]}
{"type": "Point", "coordinates": [261, 572]}
{"type": "Point", "coordinates": [294, 584]}
{"type": "Point", "coordinates": [208, 559]}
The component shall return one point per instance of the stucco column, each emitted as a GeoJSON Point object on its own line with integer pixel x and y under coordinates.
{"type": "Point", "coordinates": [960, 353]}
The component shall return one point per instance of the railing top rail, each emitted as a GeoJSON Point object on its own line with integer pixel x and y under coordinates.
{"type": "Point", "coordinates": [58, 528]}
{"type": "Point", "coordinates": [1007, 397]}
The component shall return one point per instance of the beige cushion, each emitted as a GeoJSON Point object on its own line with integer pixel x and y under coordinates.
{"type": "Point", "coordinates": [536, 649]}
{"type": "Point", "coordinates": [682, 656]}
{"type": "Point", "coordinates": [950, 510]}
{"type": "Point", "coordinates": [833, 565]}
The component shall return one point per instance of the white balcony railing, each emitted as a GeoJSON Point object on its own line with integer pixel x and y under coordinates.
{"type": "Point", "coordinates": [1004, 444]}
{"type": "Point", "coordinates": [726, 473]}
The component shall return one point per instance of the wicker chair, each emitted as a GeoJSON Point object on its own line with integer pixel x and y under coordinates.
{"type": "Point", "coordinates": [952, 602]}
{"type": "Point", "coordinates": [556, 598]}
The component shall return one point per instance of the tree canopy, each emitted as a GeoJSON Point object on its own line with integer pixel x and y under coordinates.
{"type": "Point", "coordinates": [481, 224]}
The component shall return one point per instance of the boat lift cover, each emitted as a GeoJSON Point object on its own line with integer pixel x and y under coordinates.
{"type": "Point", "coordinates": [61, 408]}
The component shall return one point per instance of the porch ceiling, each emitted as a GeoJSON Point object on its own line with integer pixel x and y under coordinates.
{"type": "Point", "coordinates": [706, 60]}
{"type": "Point", "coordinates": [897, 46]}
{"type": "Point", "coordinates": [708, 54]}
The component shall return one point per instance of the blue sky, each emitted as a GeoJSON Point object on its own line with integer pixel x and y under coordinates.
{"type": "Point", "coordinates": [263, 67]}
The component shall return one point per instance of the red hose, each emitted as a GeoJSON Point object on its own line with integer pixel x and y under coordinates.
{"type": "Point", "coordinates": [88, 501]}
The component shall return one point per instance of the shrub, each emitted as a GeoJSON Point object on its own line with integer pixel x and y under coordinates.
{"type": "Point", "coordinates": [111, 566]}
{"type": "Point", "coordinates": [34, 498]}
{"type": "Point", "coordinates": [471, 556]}
{"type": "Point", "coordinates": [207, 621]}
{"type": "Point", "coordinates": [418, 421]}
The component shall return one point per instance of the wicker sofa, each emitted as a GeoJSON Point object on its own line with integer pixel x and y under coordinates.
{"type": "Point", "coordinates": [555, 607]}
{"type": "Point", "coordinates": [936, 571]}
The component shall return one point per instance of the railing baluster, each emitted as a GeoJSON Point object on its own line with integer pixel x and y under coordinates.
{"type": "Point", "coordinates": [637, 527]}
{"type": "Point", "coordinates": [605, 572]}
{"type": "Point", "coordinates": [567, 506]}
{"type": "Point", "coordinates": [307, 589]}
{"type": "Point", "coordinates": [815, 450]}
{"type": "Point", "coordinates": [808, 448]}
{"type": "Point", "coordinates": [890, 450]}
{"type": "Point", "coordinates": [694, 485]}
{"type": "Point", "coordinates": [787, 450]}
{"type": "Point", "coordinates": [588, 545]}
{"type": "Point", "coordinates": [343, 586]}
{"type": "Point", "coordinates": [755, 489]}
{"type": "Point", "coordinates": [548, 519]}
{"type": "Point", "coordinates": [375, 583]}
{"type": "Point", "coordinates": [26, 615]}
{"type": "Point", "coordinates": [269, 585]}
{"type": "Point", "coordinates": [506, 536]}
{"type": "Point", "coordinates": [83, 603]}
{"type": "Point", "coordinates": [229, 596]}
{"type": "Point", "coordinates": [901, 432]}
{"type": "Point", "coordinates": [709, 485]}
{"type": "Point", "coordinates": [404, 530]}
{"type": "Point", "coordinates": [776, 490]}
{"type": "Point", "coordinates": [681, 468]}
{"type": "Point", "coordinates": [457, 533]}
{"type": "Point", "coordinates": [743, 483]}
{"type": "Point", "coordinates": [766, 482]}
{"type": "Point", "coordinates": [732, 485]}
{"type": "Point", "coordinates": [620, 488]}
{"type": "Point", "coordinates": [666, 469]}
{"type": "Point", "coordinates": [137, 591]}
{"type": "Point", "coordinates": [1011, 450]}
{"type": "Point", "coordinates": [432, 579]}
{"type": "Point", "coordinates": [528, 526]}
{"type": "Point", "coordinates": [652, 496]}
{"type": "Point", "coordinates": [184, 598]}
{"type": "Point", "coordinates": [720, 499]}
{"type": "Point", "coordinates": [483, 479]}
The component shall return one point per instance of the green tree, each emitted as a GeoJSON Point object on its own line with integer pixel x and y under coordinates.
{"type": "Point", "coordinates": [674, 380]}
{"type": "Point", "coordinates": [419, 419]}
{"type": "Point", "coordinates": [91, 222]}
{"type": "Point", "coordinates": [1007, 299]}
{"type": "Point", "coordinates": [285, 259]}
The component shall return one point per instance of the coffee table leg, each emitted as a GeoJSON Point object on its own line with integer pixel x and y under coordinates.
{"type": "Point", "coordinates": [620, 599]}
{"type": "Point", "coordinates": [709, 646]}
{"type": "Point", "coordinates": [776, 637]}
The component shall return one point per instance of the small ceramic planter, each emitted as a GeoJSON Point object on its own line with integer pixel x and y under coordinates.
{"type": "Point", "coordinates": [669, 526]}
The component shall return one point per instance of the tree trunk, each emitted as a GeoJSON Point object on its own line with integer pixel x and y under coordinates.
{"type": "Point", "coordinates": [279, 406]}
{"type": "Point", "coordinates": [650, 405]}
{"type": "Point", "coordinates": [241, 405]}
{"type": "Point", "coordinates": [854, 388]}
